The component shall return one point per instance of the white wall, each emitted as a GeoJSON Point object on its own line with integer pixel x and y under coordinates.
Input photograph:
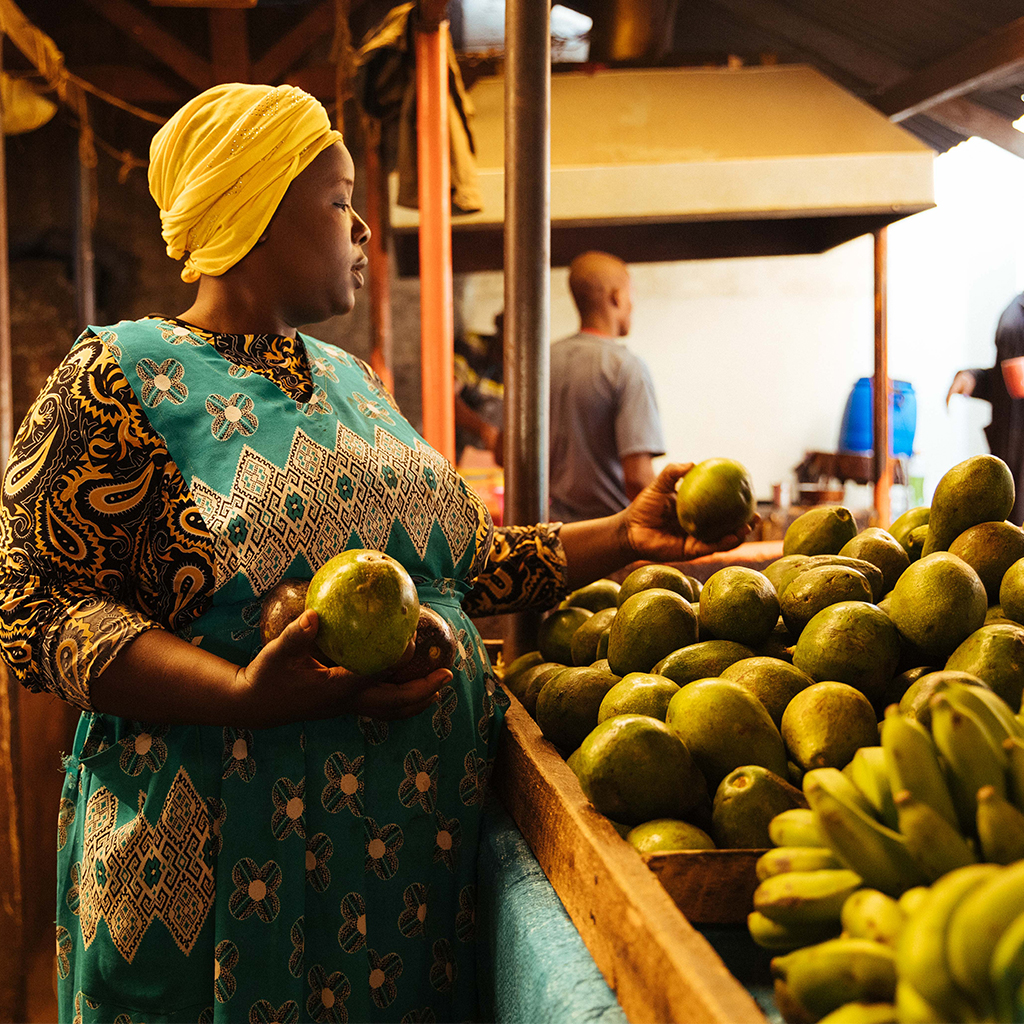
{"type": "Point", "coordinates": [754, 358]}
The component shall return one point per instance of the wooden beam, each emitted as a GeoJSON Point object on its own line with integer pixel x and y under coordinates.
{"type": "Point", "coordinates": [431, 14]}
{"type": "Point", "coordinates": [859, 67]}
{"type": "Point", "coordinates": [980, 64]}
{"type": "Point", "coordinates": [437, 329]}
{"type": "Point", "coordinates": [131, 82]}
{"type": "Point", "coordinates": [378, 220]}
{"type": "Point", "coordinates": [967, 118]}
{"type": "Point", "coordinates": [824, 45]}
{"type": "Point", "coordinates": [160, 43]}
{"type": "Point", "coordinates": [319, 80]}
{"type": "Point", "coordinates": [229, 45]}
{"type": "Point", "coordinates": [203, 3]}
{"type": "Point", "coordinates": [294, 44]}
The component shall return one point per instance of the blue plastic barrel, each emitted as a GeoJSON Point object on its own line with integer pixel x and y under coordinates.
{"type": "Point", "coordinates": [857, 431]}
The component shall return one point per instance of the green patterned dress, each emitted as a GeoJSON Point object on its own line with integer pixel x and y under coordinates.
{"type": "Point", "coordinates": [323, 870]}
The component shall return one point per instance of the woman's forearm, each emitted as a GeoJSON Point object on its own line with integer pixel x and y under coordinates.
{"type": "Point", "coordinates": [595, 548]}
{"type": "Point", "coordinates": [159, 677]}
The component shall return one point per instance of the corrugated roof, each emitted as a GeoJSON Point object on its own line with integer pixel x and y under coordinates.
{"type": "Point", "coordinates": [865, 45]}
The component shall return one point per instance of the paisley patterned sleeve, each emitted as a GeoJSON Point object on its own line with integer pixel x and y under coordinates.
{"type": "Point", "coordinates": [525, 568]}
{"type": "Point", "coordinates": [100, 538]}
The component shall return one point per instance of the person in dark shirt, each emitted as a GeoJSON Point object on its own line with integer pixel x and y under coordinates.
{"type": "Point", "coordinates": [1006, 431]}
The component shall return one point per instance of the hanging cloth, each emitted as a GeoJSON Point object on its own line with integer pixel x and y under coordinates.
{"type": "Point", "coordinates": [24, 109]}
{"type": "Point", "coordinates": [386, 87]}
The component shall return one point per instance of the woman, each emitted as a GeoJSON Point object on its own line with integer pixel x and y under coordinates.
{"type": "Point", "coordinates": [248, 834]}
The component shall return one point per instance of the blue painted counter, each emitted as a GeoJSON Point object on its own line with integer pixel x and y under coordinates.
{"type": "Point", "coordinates": [535, 966]}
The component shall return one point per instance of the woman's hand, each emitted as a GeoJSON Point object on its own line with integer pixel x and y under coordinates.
{"type": "Point", "coordinates": [651, 527]}
{"type": "Point", "coordinates": [648, 529]}
{"type": "Point", "coordinates": [288, 681]}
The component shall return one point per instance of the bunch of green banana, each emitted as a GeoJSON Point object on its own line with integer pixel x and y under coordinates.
{"type": "Point", "coordinates": [908, 811]}
{"type": "Point", "coordinates": [960, 957]}
{"type": "Point", "coordinates": [822, 978]}
{"type": "Point", "coordinates": [957, 956]}
{"type": "Point", "coordinates": [910, 819]}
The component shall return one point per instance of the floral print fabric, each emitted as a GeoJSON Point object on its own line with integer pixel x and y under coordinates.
{"type": "Point", "coordinates": [317, 871]}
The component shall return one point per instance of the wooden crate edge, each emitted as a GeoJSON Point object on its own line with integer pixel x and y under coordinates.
{"type": "Point", "coordinates": [660, 967]}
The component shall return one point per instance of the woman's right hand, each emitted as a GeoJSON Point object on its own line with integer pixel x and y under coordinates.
{"type": "Point", "coordinates": [287, 681]}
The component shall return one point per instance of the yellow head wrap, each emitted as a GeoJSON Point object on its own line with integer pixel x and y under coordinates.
{"type": "Point", "coordinates": [221, 165]}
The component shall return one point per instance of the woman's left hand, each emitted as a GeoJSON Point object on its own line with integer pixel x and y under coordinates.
{"type": "Point", "coordinates": [651, 526]}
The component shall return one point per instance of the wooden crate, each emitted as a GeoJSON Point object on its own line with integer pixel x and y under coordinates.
{"type": "Point", "coordinates": [657, 963]}
{"type": "Point", "coordinates": [708, 886]}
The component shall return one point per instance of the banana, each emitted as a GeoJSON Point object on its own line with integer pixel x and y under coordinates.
{"type": "Point", "coordinates": [1000, 828]}
{"type": "Point", "coordinates": [975, 929]}
{"type": "Point", "coordinates": [993, 711]}
{"type": "Point", "coordinates": [874, 851]}
{"type": "Point", "coordinates": [921, 950]}
{"type": "Point", "coordinates": [870, 914]}
{"type": "Point", "coordinates": [868, 774]}
{"type": "Point", "coordinates": [973, 757]}
{"type": "Point", "coordinates": [1006, 970]}
{"type": "Point", "coordinates": [912, 763]}
{"type": "Point", "coordinates": [795, 827]}
{"type": "Point", "coordinates": [838, 971]}
{"type": "Point", "coordinates": [912, 899]}
{"type": "Point", "coordinates": [780, 938]}
{"type": "Point", "coordinates": [842, 785]}
{"type": "Point", "coordinates": [805, 897]}
{"type": "Point", "coordinates": [862, 1013]}
{"type": "Point", "coordinates": [1014, 749]}
{"type": "Point", "coordinates": [788, 1005]}
{"type": "Point", "coordinates": [936, 846]}
{"type": "Point", "coordinates": [794, 858]}
{"type": "Point", "coordinates": [913, 1008]}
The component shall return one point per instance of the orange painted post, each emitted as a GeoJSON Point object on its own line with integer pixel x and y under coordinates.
{"type": "Point", "coordinates": [437, 326]}
{"type": "Point", "coordinates": [882, 460]}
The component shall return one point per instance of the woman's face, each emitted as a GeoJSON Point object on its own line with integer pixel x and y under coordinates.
{"type": "Point", "coordinates": [315, 241]}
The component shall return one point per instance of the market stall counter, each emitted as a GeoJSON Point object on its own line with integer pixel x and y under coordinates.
{"type": "Point", "coordinates": [660, 965]}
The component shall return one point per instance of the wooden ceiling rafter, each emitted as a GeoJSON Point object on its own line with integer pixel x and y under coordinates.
{"type": "Point", "coordinates": [156, 40]}
{"type": "Point", "coordinates": [983, 63]}
{"type": "Point", "coordinates": [133, 83]}
{"type": "Point", "coordinates": [296, 43]}
{"type": "Point", "coordinates": [229, 45]}
{"type": "Point", "coordinates": [857, 62]}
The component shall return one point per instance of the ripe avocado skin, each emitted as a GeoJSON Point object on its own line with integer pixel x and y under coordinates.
{"type": "Point", "coordinates": [715, 498]}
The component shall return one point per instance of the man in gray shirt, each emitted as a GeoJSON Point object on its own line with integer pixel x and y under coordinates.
{"type": "Point", "coordinates": [605, 428]}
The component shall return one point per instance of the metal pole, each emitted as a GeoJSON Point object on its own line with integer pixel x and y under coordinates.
{"type": "Point", "coordinates": [85, 265]}
{"type": "Point", "coordinates": [882, 460]}
{"type": "Point", "coordinates": [527, 274]}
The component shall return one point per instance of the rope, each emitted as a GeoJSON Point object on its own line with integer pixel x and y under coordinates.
{"type": "Point", "coordinates": [107, 97]}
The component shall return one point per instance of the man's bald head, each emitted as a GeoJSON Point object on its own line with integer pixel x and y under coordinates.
{"type": "Point", "coordinates": [599, 283]}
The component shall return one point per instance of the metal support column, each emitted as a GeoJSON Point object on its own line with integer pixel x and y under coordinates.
{"type": "Point", "coordinates": [527, 275]}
